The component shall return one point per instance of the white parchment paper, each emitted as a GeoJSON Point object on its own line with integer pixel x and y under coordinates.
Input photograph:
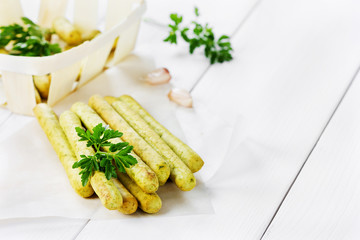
{"type": "Point", "coordinates": [33, 182]}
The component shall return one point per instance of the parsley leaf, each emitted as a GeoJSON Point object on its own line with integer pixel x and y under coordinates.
{"type": "Point", "coordinates": [107, 162]}
{"type": "Point", "coordinates": [200, 36]}
{"type": "Point", "coordinates": [172, 38]}
{"type": "Point", "coordinates": [27, 41]}
{"type": "Point", "coordinates": [196, 10]}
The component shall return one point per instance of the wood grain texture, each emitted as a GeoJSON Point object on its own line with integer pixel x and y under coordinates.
{"type": "Point", "coordinates": [324, 201]}
{"type": "Point", "coordinates": [86, 20]}
{"type": "Point", "coordinates": [288, 75]}
{"type": "Point", "coordinates": [10, 12]}
{"type": "Point", "coordinates": [20, 93]}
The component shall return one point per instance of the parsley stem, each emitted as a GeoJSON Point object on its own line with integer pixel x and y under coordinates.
{"type": "Point", "coordinates": [97, 148]}
{"type": "Point", "coordinates": [155, 22]}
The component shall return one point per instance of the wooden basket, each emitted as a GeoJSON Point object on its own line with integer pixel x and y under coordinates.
{"type": "Point", "coordinates": [73, 68]}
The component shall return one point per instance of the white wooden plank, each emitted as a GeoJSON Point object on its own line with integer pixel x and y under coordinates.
{"type": "Point", "coordinates": [40, 228]}
{"type": "Point", "coordinates": [29, 9]}
{"type": "Point", "coordinates": [10, 12]}
{"type": "Point", "coordinates": [324, 201]}
{"type": "Point", "coordinates": [49, 10]}
{"type": "Point", "coordinates": [117, 10]}
{"type": "Point", "coordinates": [86, 14]}
{"type": "Point", "coordinates": [292, 64]}
{"type": "Point", "coordinates": [20, 92]}
{"type": "Point", "coordinates": [12, 124]}
{"type": "Point", "coordinates": [4, 114]}
{"type": "Point", "coordinates": [125, 44]}
{"type": "Point", "coordinates": [62, 82]}
{"type": "Point", "coordinates": [94, 64]}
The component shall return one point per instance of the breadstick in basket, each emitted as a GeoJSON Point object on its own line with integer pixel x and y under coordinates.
{"type": "Point", "coordinates": [66, 31]}
{"type": "Point", "coordinates": [37, 96]}
{"type": "Point", "coordinates": [42, 83]}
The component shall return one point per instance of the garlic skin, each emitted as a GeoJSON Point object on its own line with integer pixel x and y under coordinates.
{"type": "Point", "coordinates": [181, 97]}
{"type": "Point", "coordinates": [158, 76]}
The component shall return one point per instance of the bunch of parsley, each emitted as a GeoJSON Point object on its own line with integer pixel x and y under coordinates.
{"type": "Point", "coordinates": [27, 41]}
{"type": "Point", "coordinates": [217, 50]}
{"type": "Point", "coordinates": [118, 155]}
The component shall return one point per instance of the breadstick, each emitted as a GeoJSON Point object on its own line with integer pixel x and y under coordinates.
{"type": "Point", "coordinates": [187, 155]}
{"type": "Point", "coordinates": [130, 203]}
{"type": "Point", "coordinates": [111, 99]}
{"type": "Point", "coordinates": [90, 35]}
{"type": "Point", "coordinates": [42, 83]}
{"type": "Point", "coordinates": [148, 202]}
{"type": "Point", "coordinates": [50, 124]}
{"type": "Point", "coordinates": [106, 190]}
{"type": "Point", "coordinates": [140, 172]}
{"type": "Point", "coordinates": [37, 96]}
{"type": "Point", "coordinates": [180, 174]}
{"type": "Point", "coordinates": [67, 31]}
{"type": "Point", "coordinates": [141, 147]}
{"type": "Point", "coordinates": [3, 51]}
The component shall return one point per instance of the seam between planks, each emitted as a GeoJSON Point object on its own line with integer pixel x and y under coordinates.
{"type": "Point", "coordinates": [312, 149]}
{"type": "Point", "coordinates": [6, 119]}
{"type": "Point", "coordinates": [237, 29]}
{"type": "Point", "coordinates": [80, 230]}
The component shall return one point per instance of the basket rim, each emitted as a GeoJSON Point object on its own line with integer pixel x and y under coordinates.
{"type": "Point", "coordinates": [47, 64]}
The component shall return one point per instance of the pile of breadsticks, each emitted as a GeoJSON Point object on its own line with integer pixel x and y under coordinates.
{"type": "Point", "coordinates": [160, 154]}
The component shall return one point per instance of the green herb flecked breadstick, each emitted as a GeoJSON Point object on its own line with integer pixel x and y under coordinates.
{"type": "Point", "coordinates": [141, 147]}
{"type": "Point", "coordinates": [148, 202]}
{"type": "Point", "coordinates": [108, 193]}
{"type": "Point", "coordinates": [144, 177]}
{"type": "Point", "coordinates": [106, 190]}
{"type": "Point", "coordinates": [186, 154]}
{"type": "Point", "coordinates": [50, 124]}
{"type": "Point", "coordinates": [37, 96]}
{"type": "Point", "coordinates": [180, 174]}
{"type": "Point", "coordinates": [67, 31]}
{"type": "Point", "coordinates": [130, 203]}
{"type": "Point", "coordinates": [42, 83]}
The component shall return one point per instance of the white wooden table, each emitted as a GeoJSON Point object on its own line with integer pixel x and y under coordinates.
{"type": "Point", "coordinates": [294, 84]}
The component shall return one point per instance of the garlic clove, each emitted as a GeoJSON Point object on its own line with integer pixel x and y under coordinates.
{"type": "Point", "coordinates": [180, 96]}
{"type": "Point", "coordinates": [158, 76]}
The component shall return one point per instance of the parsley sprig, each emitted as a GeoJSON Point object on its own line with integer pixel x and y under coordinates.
{"type": "Point", "coordinates": [27, 41]}
{"type": "Point", "coordinates": [197, 35]}
{"type": "Point", "coordinates": [118, 155]}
